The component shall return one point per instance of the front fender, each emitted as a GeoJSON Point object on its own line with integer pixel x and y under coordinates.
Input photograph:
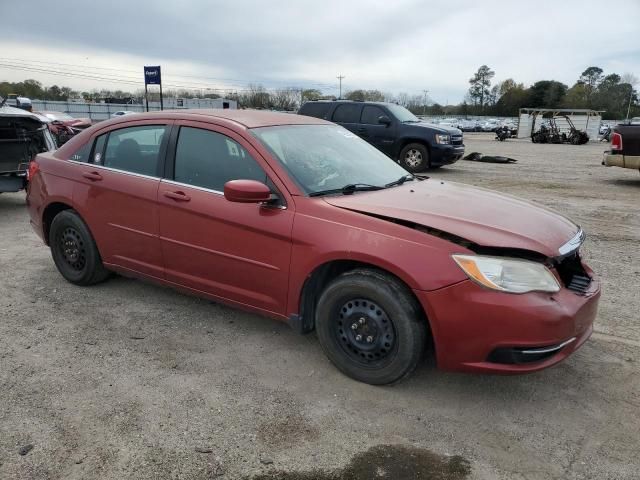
{"type": "Point", "coordinates": [421, 261]}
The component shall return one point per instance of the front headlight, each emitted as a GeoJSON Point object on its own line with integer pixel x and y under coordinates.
{"type": "Point", "coordinates": [443, 139]}
{"type": "Point", "coordinates": [508, 274]}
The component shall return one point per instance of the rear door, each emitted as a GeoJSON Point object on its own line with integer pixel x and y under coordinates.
{"type": "Point", "coordinates": [238, 252]}
{"type": "Point", "coordinates": [377, 134]}
{"type": "Point", "coordinates": [116, 193]}
{"type": "Point", "coordinates": [348, 115]}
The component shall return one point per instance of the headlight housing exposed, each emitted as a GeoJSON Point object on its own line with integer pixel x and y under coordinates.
{"type": "Point", "coordinates": [510, 275]}
{"type": "Point", "coordinates": [443, 139]}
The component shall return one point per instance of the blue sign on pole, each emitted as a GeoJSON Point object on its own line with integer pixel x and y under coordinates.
{"type": "Point", "coordinates": [152, 75]}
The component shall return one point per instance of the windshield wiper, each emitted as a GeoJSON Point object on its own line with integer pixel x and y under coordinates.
{"type": "Point", "coordinates": [411, 121]}
{"type": "Point", "coordinates": [348, 189]}
{"type": "Point", "coordinates": [405, 178]}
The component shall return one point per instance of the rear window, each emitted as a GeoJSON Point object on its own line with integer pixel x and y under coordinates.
{"type": "Point", "coordinates": [314, 109]}
{"type": "Point", "coordinates": [347, 113]}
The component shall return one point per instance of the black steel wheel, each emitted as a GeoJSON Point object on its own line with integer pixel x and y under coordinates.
{"type": "Point", "coordinates": [365, 331]}
{"type": "Point", "coordinates": [74, 250]}
{"type": "Point", "coordinates": [371, 327]}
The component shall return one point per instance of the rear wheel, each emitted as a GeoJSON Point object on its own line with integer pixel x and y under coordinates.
{"type": "Point", "coordinates": [415, 157]}
{"type": "Point", "coordinates": [371, 327]}
{"type": "Point", "coordinates": [74, 250]}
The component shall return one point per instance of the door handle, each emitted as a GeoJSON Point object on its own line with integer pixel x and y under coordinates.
{"type": "Point", "coordinates": [93, 176]}
{"type": "Point", "coordinates": [179, 196]}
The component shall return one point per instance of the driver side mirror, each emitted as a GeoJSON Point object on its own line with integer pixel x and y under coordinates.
{"type": "Point", "coordinates": [384, 120]}
{"type": "Point", "coordinates": [246, 191]}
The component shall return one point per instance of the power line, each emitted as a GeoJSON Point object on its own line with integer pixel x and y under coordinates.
{"type": "Point", "coordinates": [112, 79]}
{"type": "Point", "coordinates": [174, 75]}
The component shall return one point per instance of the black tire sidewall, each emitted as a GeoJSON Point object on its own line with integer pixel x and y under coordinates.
{"type": "Point", "coordinates": [426, 162]}
{"type": "Point", "coordinates": [93, 269]}
{"type": "Point", "coordinates": [410, 329]}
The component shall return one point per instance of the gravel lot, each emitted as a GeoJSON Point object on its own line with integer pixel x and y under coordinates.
{"type": "Point", "coordinates": [130, 380]}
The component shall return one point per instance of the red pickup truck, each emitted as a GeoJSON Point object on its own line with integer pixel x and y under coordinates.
{"type": "Point", "coordinates": [625, 146]}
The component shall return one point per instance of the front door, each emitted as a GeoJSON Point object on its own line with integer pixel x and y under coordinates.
{"type": "Point", "coordinates": [377, 134]}
{"type": "Point", "coordinates": [116, 193]}
{"type": "Point", "coordinates": [237, 252]}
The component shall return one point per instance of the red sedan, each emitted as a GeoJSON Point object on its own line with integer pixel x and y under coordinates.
{"type": "Point", "coordinates": [300, 220]}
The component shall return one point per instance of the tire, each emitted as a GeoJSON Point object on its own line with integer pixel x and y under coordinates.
{"type": "Point", "coordinates": [415, 157]}
{"type": "Point", "coordinates": [371, 327]}
{"type": "Point", "coordinates": [74, 250]}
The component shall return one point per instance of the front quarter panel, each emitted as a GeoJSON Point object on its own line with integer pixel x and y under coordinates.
{"type": "Point", "coordinates": [323, 233]}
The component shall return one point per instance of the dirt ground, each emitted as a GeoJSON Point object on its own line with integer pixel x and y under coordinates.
{"type": "Point", "coordinates": [130, 380]}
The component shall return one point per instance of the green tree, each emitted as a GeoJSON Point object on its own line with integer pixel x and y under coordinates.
{"type": "Point", "coordinates": [480, 83]}
{"type": "Point", "coordinates": [547, 94]}
{"type": "Point", "coordinates": [365, 95]}
{"type": "Point", "coordinates": [591, 77]}
{"type": "Point", "coordinates": [311, 94]}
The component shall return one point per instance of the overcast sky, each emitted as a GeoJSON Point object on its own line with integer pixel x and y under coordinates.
{"type": "Point", "coordinates": [395, 46]}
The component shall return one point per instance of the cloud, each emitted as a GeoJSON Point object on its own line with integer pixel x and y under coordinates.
{"type": "Point", "coordinates": [405, 45]}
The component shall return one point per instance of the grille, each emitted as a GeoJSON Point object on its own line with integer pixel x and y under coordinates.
{"type": "Point", "coordinates": [572, 273]}
{"type": "Point", "coordinates": [456, 140]}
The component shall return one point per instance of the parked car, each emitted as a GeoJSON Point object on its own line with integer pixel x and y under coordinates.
{"type": "Point", "coordinates": [490, 125]}
{"type": "Point", "coordinates": [298, 219]}
{"type": "Point", "coordinates": [625, 147]}
{"type": "Point", "coordinates": [22, 136]}
{"type": "Point", "coordinates": [60, 132]}
{"type": "Point", "coordinates": [16, 101]}
{"type": "Point", "coordinates": [66, 119]}
{"type": "Point", "coordinates": [394, 130]}
{"type": "Point", "coordinates": [121, 113]}
{"type": "Point", "coordinates": [470, 126]}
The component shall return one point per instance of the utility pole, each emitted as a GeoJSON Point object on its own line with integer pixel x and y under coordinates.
{"type": "Point", "coordinates": [340, 77]}
{"type": "Point", "coordinates": [424, 106]}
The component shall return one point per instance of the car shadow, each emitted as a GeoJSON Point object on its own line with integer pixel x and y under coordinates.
{"type": "Point", "coordinates": [624, 182]}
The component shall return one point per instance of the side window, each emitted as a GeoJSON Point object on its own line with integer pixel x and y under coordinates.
{"type": "Point", "coordinates": [347, 113]}
{"type": "Point", "coordinates": [370, 114]}
{"type": "Point", "coordinates": [83, 153]}
{"type": "Point", "coordinates": [134, 149]}
{"type": "Point", "coordinates": [208, 159]}
{"type": "Point", "coordinates": [315, 109]}
{"type": "Point", "coordinates": [98, 150]}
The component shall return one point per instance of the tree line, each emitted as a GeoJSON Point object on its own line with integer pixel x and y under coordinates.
{"type": "Point", "coordinates": [611, 93]}
{"type": "Point", "coordinates": [614, 94]}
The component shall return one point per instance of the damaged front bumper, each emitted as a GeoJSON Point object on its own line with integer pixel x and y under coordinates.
{"type": "Point", "coordinates": [478, 330]}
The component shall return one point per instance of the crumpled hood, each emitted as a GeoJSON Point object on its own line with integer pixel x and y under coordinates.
{"type": "Point", "coordinates": [481, 216]}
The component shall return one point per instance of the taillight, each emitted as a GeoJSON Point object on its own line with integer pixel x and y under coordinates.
{"type": "Point", "coordinates": [33, 169]}
{"type": "Point", "coordinates": [616, 142]}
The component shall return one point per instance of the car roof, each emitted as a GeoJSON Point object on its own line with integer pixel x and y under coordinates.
{"type": "Point", "coordinates": [246, 118]}
{"type": "Point", "coordinates": [358, 102]}
{"type": "Point", "coordinates": [7, 111]}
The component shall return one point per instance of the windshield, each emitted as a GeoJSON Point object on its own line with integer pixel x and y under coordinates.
{"type": "Point", "coordinates": [326, 157]}
{"type": "Point", "coordinates": [58, 116]}
{"type": "Point", "coordinates": [402, 114]}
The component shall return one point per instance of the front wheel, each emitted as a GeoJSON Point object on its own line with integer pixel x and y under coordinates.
{"type": "Point", "coordinates": [371, 327]}
{"type": "Point", "coordinates": [415, 157]}
{"type": "Point", "coordinates": [74, 250]}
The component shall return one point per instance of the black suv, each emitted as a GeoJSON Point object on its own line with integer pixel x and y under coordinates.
{"type": "Point", "coordinates": [393, 130]}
